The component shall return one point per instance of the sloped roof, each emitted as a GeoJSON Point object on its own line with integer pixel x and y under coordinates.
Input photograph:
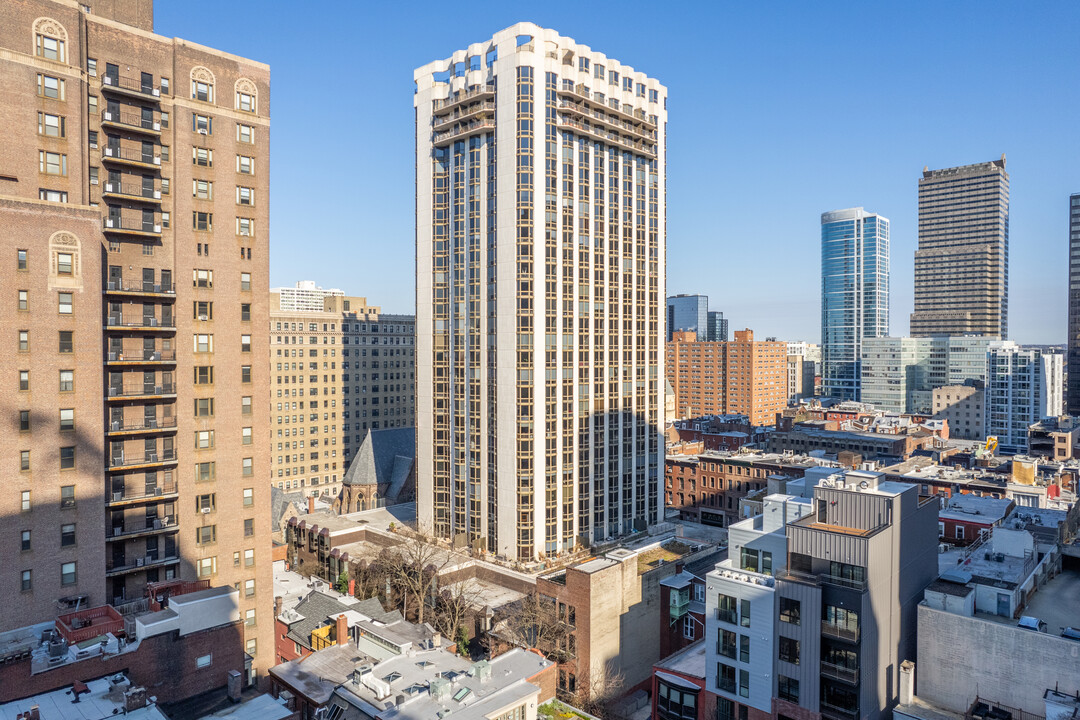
{"type": "Point", "coordinates": [279, 504]}
{"type": "Point", "coordinates": [385, 458]}
{"type": "Point", "coordinates": [317, 607]}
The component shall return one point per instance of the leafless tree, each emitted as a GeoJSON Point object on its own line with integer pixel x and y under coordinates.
{"type": "Point", "coordinates": [411, 566]}
{"type": "Point", "coordinates": [533, 622]}
{"type": "Point", "coordinates": [453, 604]}
{"type": "Point", "coordinates": [598, 691]}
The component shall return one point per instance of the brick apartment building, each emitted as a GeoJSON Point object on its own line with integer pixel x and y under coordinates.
{"type": "Point", "coordinates": [125, 319]}
{"type": "Point", "coordinates": [741, 376]}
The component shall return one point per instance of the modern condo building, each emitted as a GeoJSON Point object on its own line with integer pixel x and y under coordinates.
{"type": "Point", "coordinates": [854, 295]}
{"type": "Point", "coordinates": [962, 264]}
{"type": "Point", "coordinates": [135, 371]}
{"type": "Point", "coordinates": [1073, 369]}
{"type": "Point", "coordinates": [540, 229]}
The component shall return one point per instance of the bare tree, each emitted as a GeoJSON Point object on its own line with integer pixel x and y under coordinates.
{"type": "Point", "coordinates": [598, 691]}
{"type": "Point", "coordinates": [454, 603]}
{"type": "Point", "coordinates": [533, 622]}
{"type": "Point", "coordinates": [411, 566]}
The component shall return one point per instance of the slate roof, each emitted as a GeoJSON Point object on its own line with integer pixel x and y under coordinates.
{"type": "Point", "coordinates": [279, 504]}
{"type": "Point", "coordinates": [385, 458]}
{"type": "Point", "coordinates": [318, 606]}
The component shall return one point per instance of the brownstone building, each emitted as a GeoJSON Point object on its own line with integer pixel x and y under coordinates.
{"type": "Point", "coordinates": [126, 461]}
{"type": "Point", "coordinates": [741, 376]}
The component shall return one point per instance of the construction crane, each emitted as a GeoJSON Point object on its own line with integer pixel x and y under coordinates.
{"type": "Point", "coordinates": [991, 444]}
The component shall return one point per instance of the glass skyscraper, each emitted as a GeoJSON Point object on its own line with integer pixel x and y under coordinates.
{"type": "Point", "coordinates": [1073, 363]}
{"type": "Point", "coordinates": [688, 312]}
{"type": "Point", "coordinates": [854, 294]}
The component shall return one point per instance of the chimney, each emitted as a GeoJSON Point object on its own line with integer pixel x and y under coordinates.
{"type": "Point", "coordinates": [278, 603]}
{"type": "Point", "coordinates": [235, 683]}
{"type": "Point", "coordinates": [311, 504]}
{"type": "Point", "coordinates": [436, 640]}
{"type": "Point", "coordinates": [678, 567]}
{"type": "Point", "coordinates": [907, 682]}
{"type": "Point", "coordinates": [352, 587]}
{"type": "Point", "coordinates": [134, 699]}
{"type": "Point", "coordinates": [342, 630]}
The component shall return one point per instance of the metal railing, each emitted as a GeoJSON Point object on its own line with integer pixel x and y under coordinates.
{"type": "Point", "coordinates": [839, 672]}
{"type": "Point", "coordinates": [132, 120]}
{"type": "Point", "coordinates": [142, 321]}
{"type": "Point", "coordinates": [133, 190]}
{"type": "Point", "coordinates": [842, 633]}
{"type": "Point", "coordinates": [150, 525]}
{"type": "Point", "coordinates": [132, 155]}
{"type": "Point", "coordinates": [841, 713]}
{"type": "Point", "coordinates": [140, 287]}
{"type": "Point", "coordinates": [606, 136]}
{"type": "Point", "coordinates": [141, 390]}
{"type": "Point", "coordinates": [462, 131]}
{"type": "Point", "coordinates": [843, 582]}
{"type": "Point", "coordinates": [464, 96]}
{"type": "Point", "coordinates": [146, 493]}
{"type": "Point", "coordinates": [132, 224]}
{"type": "Point", "coordinates": [147, 561]}
{"type": "Point", "coordinates": [143, 356]}
{"type": "Point", "coordinates": [442, 121]}
{"type": "Point", "coordinates": [146, 423]}
{"type": "Point", "coordinates": [119, 461]}
{"type": "Point", "coordinates": [120, 82]}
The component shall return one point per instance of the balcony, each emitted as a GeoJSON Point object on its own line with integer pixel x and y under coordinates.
{"type": "Point", "coordinates": [612, 138]}
{"type": "Point", "coordinates": [131, 157]}
{"type": "Point", "coordinates": [148, 527]}
{"type": "Point", "coordinates": [130, 191]}
{"type": "Point", "coordinates": [129, 87]}
{"type": "Point", "coordinates": [143, 426]}
{"type": "Point", "coordinates": [577, 108]}
{"type": "Point", "coordinates": [143, 563]}
{"type": "Point", "coordinates": [140, 323]}
{"type": "Point", "coordinates": [839, 672]}
{"type": "Point", "coordinates": [130, 226]}
{"type": "Point", "coordinates": [132, 122]}
{"type": "Point", "coordinates": [582, 92]}
{"type": "Point", "coordinates": [147, 460]}
{"type": "Point", "coordinates": [134, 496]}
{"type": "Point", "coordinates": [848, 583]}
{"type": "Point", "coordinates": [142, 392]}
{"type": "Point", "coordinates": [444, 122]}
{"type": "Point", "coordinates": [483, 92]}
{"type": "Point", "coordinates": [840, 633]}
{"type": "Point", "coordinates": [679, 606]}
{"type": "Point", "coordinates": [836, 712]}
{"type": "Point", "coordinates": [463, 131]}
{"type": "Point", "coordinates": [141, 357]}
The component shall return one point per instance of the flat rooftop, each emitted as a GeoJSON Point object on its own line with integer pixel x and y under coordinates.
{"type": "Point", "coordinates": [975, 508]}
{"type": "Point", "coordinates": [689, 661]}
{"type": "Point", "coordinates": [105, 699]}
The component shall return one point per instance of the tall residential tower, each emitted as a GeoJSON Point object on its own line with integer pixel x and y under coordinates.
{"type": "Point", "coordinates": [854, 294]}
{"type": "Point", "coordinates": [1073, 358]}
{"type": "Point", "coordinates": [540, 229]}
{"type": "Point", "coordinates": [962, 264]}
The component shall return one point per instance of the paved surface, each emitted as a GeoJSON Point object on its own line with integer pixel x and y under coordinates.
{"type": "Point", "coordinates": [1056, 602]}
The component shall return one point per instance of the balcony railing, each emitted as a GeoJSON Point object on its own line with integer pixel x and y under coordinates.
{"type": "Point", "coordinates": [839, 672]}
{"type": "Point", "coordinates": [154, 458]}
{"type": "Point", "coordinates": [143, 563]}
{"type": "Point", "coordinates": [149, 526]}
{"type": "Point", "coordinates": [843, 582]}
{"type": "Point", "coordinates": [441, 122]}
{"type": "Point", "coordinates": [131, 226]}
{"type": "Point", "coordinates": [141, 390]}
{"type": "Point", "coordinates": [467, 95]}
{"type": "Point", "coordinates": [146, 424]}
{"type": "Point", "coordinates": [728, 616]}
{"type": "Point", "coordinates": [138, 157]}
{"type": "Point", "coordinates": [475, 126]}
{"type": "Point", "coordinates": [839, 713]}
{"type": "Point", "coordinates": [610, 137]}
{"type": "Point", "coordinates": [134, 121]}
{"type": "Point", "coordinates": [143, 356]}
{"type": "Point", "coordinates": [132, 190]}
{"type": "Point", "coordinates": [129, 495]}
{"type": "Point", "coordinates": [610, 121]}
{"type": "Point", "coordinates": [128, 85]}
{"type": "Point", "coordinates": [140, 288]}
{"type": "Point", "coordinates": [842, 633]}
{"type": "Point", "coordinates": [140, 321]}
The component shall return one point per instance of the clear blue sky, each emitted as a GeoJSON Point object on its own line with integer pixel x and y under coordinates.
{"type": "Point", "coordinates": [777, 112]}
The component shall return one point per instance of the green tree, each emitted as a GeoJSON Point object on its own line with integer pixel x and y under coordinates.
{"type": "Point", "coordinates": [342, 583]}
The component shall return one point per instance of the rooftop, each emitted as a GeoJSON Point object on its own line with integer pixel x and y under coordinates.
{"type": "Point", "coordinates": [689, 661]}
{"type": "Point", "coordinates": [975, 508]}
{"type": "Point", "coordinates": [104, 698]}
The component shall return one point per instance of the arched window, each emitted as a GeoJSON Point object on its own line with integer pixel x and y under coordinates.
{"type": "Point", "coordinates": [202, 84]}
{"type": "Point", "coordinates": [246, 96]}
{"type": "Point", "coordinates": [50, 40]}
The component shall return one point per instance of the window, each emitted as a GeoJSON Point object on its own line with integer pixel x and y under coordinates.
{"type": "Point", "coordinates": [65, 303]}
{"type": "Point", "coordinates": [248, 468]}
{"type": "Point", "coordinates": [67, 460]}
{"type": "Point", "coordinates": [26, 581]}
{"type": "Point", "coordinates": [165, 158]}
{"type": "Point", "coordinates": [249, 497]}
{"type": "Point", "coordinates": [672, 703]}
{"type": "Point", "coordinates": [67, 418]}
{"type": "Point", "coordinates": [788, 650]}
{"type": "Point", "coordinates": [245, 133]}
{"type": "Point", "coordinates": [67, 535]}
{"type": "Point", "coordinates": [206, 567]}
{"type": "Point", "coordinates": [52, 163]}
{"type": "Point", "coordinates": [67, 574]}
{"type": "Point", "coordinates": [24, 341]}
{"type": "Point", "coordinates": [24, 421]}
{"type": "Point", "coordinates": [245, 435]}
{"type": "Point", "coordinates": [245, 281]}
{"type": "Point", "coordinates": [204, 439]}
{"type": "Point", "coordinates": [165, 219]}
{"type": "Point", "coordinates": [245, 195]}
{"type": "Point", "coordinates": [24, 299]}
{"type": "Point", "coordinates": [249, 617]}
{"type": "Point", "coordinates": [790, 610]}
{"type": "Point", "coordinates": [204, 374]}
{"type": "Point", "coordinates": [250, 646]}
{"type": "Point", "coordinates": [203, 310]}
{"type": "Point", "coordinates": [204, 407]}
{"type": "Point", "coordinates": [205, 503]}
{"type": "Point", "coordinates": [164, 120]}
{"type": "Point", "coordinates": [202, 278]}
{"type": "Point", "coordinates": [202, 156]}
{"type": "Point", "coordinates": [788, 689]}
{"type": "Point", "coordinates": [744, 648]}
{"type": "Point", "coordinates": [50, 48]}
{"type": "Point", "coordinates": [63, 263]}
{"type": "Point", "coordinates": [25, 541]}
{"type": "Point", "coordinates": [24, 460]}
{"type": "Point", "coordinates": [245, 373]}
{"type": "Point", "coordinates": [245, 164]}
{"type": "Point", "coordinates": [67, 343]}
{"type": "Point", "coordinates": [25, 501]}
{"type": "Point", "coordinates": [245, 405]}
{"type": "Point", "coordinates": [203, 343]}
{"type": "Point", "coordinates": [202, 124]}
{"type": "Point", "coordinates": [245, 312]}
{"type": "Point", "coordinates": [24, 380]}
{"type": "Point", "coordinates": [727, 607]}
{"type": "Point", "coordinates": [725, 677]}
{"type": "Point", "coordinates": [249, 588]}
{"type": "Point", "coordinates": [748, 559]}
{"type": "Point", "coordinates": [164, 86]}
{"type": "Point", "coordinates": [21, 260]}
{"type": "Point", "coordinates": [245, 102]}
{"type": "Point", "coordinates": [245, 343]}
{"type": "Point", "coordinates": [59, 196]}
{"type": "Point", "coordinates": [202, 91]}
{"type": "Point", "coordinates": [726, 643]}
{"type": "Point", "coordinates": [204, 471]}
{"type": "Point", "coordinates": [51, 125]}
{"type": "Point", "coordinates": [91, 67]}
{"type": "Point", "coordinates": [203, 661]}
{"type": "Point", "coordinates": [744, 614]}
{"type": "Point", "coordinates": [245, 226]}
{"type": "Point", "coordinates": [92, 108]}
{"type": "Point", "coordinates": [766, 562]}
{"type": "Point", "coordinates": [744, 683]}
{"type": "Point", "coordinates": [249, 558]}
{"type": "Point", "coordinates": [202, 221]}
{"type": "Point", "coordinates": [206, 534]}
{"type": "Point", "coordinates": [50, 87]}
{"type": "Point", "coordinates": [202, 189]}
{"type": "Point", "coordinates": [249, 527]}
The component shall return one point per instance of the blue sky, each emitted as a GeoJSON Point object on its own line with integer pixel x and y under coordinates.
{"type": "Point", "coordinates": [778, 112]}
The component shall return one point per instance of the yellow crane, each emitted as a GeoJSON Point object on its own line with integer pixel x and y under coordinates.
{"type": "Point", "coordinates": [991, 444]}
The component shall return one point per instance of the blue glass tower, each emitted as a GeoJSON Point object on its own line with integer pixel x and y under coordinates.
{"type": "Point", "coordinates": [688, 312]}
{"type": "Point", "coordinates": [854, 294]}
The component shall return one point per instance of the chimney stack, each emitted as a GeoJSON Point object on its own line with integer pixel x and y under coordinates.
{"type": "Point", "coordinates": [134, 698]}
{"type": "Point", "coordinates": [678, 567]}
{"type": "Point", "coordinates": [278, 603]}
{"type": "Point", "coordinates": [235, 683]}
{"type": "Point", "coordinates": [311, 504]}
{"type": "Point", "coordinates": [436, 640]}
{"type": "Point", "coordinates": [352, 587]}
{"type": "Point", "coordinates": [341, 630]}
{"type": "Point", "coordinates": [907, 682]}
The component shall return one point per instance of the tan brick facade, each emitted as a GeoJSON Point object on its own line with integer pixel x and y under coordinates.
{"type": "Point", "coordinates": [168, 299]}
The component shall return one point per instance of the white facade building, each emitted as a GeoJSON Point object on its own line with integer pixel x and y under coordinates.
{"type": "Point", "coordinates": [540, 232]}
{"type": "Point", "coordinates": [305, 297]}
{"type": "Point", "coordinates": [900, 373]}
{"type": "Point", "coordinates": [1023, 386]}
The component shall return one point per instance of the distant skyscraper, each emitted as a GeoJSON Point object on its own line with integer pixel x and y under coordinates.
{"type": "Point", "coordinates": [854, 294]}
{"type": "Point", "coordinates": [688, 312]}
{"type": "Point", "coordinates": [718, 327]}
{"type": "Point", "coordinates": [539, 380]}
{"type": "Point", "coordinates": [962, 264]}
{"type": "Point", "coordinates": [1073, 399]}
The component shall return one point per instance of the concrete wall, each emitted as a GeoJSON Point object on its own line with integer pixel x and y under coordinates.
{"type": "Point", "coordinates": [992, 660]}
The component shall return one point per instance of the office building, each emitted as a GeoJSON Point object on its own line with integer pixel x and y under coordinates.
{"type": "Point", "coordinates": [962, 263]}
{"type": "Point", "coordinates": [137, 348]}
{"type": "Point", "coordinates": [689, 313]}
{"type": "Point", "coordinates": [744, 376]}
{"type": "Point", "coordinates": [1023, 386]}
{"type": "Point", "coordinates": [717, 330]}
{"type": "Point", "coordinates": [337, 372]}
{"type": "Point", "coordinates": [854, 295]}
{"type": "Point", "coordinates": [538, 414]}
{"type": "Point", "coordinates": [899, 374]}
{"type": "Point", "coordinates": [1073, 369]}
{"type": "Point", "coordinates": [963, 407]}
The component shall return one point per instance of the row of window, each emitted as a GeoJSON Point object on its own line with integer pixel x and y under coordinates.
{"type": "Point", "coordinates": [67, 537]}
{"type": "Point", "coordinates": [68, 576]}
